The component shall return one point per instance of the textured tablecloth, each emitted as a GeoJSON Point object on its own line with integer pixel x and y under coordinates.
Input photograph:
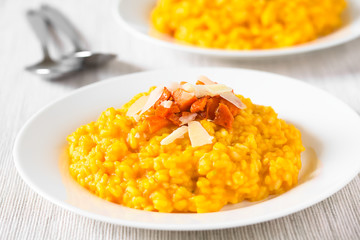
{"type": "Point", "coordinates": [26, 215]}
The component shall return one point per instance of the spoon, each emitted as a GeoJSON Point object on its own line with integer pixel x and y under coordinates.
{"type": "Point", "coordinates": [48, 68]}
{"type": "Point", "coordinates": [59, 21]}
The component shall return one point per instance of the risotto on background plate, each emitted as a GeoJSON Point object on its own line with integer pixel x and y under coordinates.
{"type": "Point", "coordinates": [247, 24]}
{"type": "Point", "coordinates": [243, 28]}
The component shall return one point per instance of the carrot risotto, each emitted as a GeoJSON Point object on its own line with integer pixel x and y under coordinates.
{"type": "Point", "coordinates": [185, 147]}
{"type": "Point", "coordinates": [247, 24]}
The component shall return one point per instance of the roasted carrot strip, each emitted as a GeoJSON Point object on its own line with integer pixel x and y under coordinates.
{"type": "Point", "coordinates": [199, 105]}
{"type": "Point", "coordinates": [155, 123]}
{"type": "Point", "coordinates": [233, 109]}
{"type": "Point", "coordinates": [211, 106]}
{"type": "Point", "coordinates": [165, 112]}
{"type": "Point", "coordinates": [185, 114]}
{"type": "Point", "coordinates": [202, 115]}
{"type": "Point", "coordinates": [223, 116]}
{"type": "Point", "coordinates": [198, 82]}
{"type": "Point", "coordinates": [162, 111]}
{"type": "Point", "coordinates": [183, 99]}
{"type": "Point", "coordinates": [175, 118]}
{"type": "Point", "coordinates": [164, 96]}
{"type": "Point", "coordinates": [174, 108]}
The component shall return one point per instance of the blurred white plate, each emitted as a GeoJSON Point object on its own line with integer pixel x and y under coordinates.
{"type": "Point", "coordinates": [330, 133]}
{"type": "Point", "coordinates": [134, 16]}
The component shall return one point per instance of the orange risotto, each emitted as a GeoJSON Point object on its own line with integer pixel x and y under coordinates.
{"type": "Point", "coordinates": [247, 24]}
{"type": "Point", "coordinates": [186, 148]}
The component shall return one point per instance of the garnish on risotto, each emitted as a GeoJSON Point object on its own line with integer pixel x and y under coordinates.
{"type": "Point", "coordinates": [185, 103]}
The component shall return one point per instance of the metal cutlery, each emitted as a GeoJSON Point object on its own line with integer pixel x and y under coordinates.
{"type": "Point", "coordinates": [48, 68]}
{"type": "Point", "coordinates": [78, 59]}
{"type": "Point", "coordinates": [59, 21]}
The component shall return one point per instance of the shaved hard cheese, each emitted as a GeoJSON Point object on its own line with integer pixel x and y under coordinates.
{"type": "Point", "coordinates": [166, 104]}
{"type": "Point", "coordinates": [172, 86]}
{"type": "Point", "coordinates": [186, 119]}
{"type": "Point", "coordinates": [200, 91]}
{"type": "Point", "coordinates": [210, 90]}
{"type": "Point", "coordinates": [206, 80]}
{"type": "Point", "coordinates": [178, 133]}
{"type": "Point", "coordinates": [217, 89]}
{"type": "Point", "coordinates": [153, 97]}
{"type": "Point", "coordinates": [136, 107]}
{"type": "Point", "coordinates": [198, 134]}
{"type": "Point", "coordinates": [188, 87]}
{"type": "Point", "coordinates": [231, 97]}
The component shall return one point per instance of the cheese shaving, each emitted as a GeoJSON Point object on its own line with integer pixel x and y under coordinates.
{"type": "Point", "coordinates": [136, 107]}
{"type": "Point", "coordinates": [153, 97]}
{"type": "Point", "coordinates": [185, 119]}
{"type": "Point", "coordinates": [200, 91]}
{"type": "Point", "coordinates": [166, 104]}
{"type": "Point", "coordinates": [231, 97]}
{"type": "Point", "coordinates": [188, 87]}
{"type": "Point", "coordinates": [178, 133]}
{"type": "Point", "coordinates": [228, 95]}
{"type": "Point", "coordinates": [210, 90]}
{"type": "Point", "coordinates": [206, 80]}
{"type": "Point", "coordinates": [172, 86]}
{"type": "Point", "coordinates": [217, 89]}
{"type": "Point", "coordinates": [198, 134]}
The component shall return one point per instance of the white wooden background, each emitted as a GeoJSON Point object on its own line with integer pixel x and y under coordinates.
{"type": "Point", "coordinates": [25, 215]}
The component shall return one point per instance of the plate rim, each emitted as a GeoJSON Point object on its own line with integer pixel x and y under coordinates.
{"type": "Point", "coordinates": [173, 227]}
{"type": "Point", "coordinates": [229, 53]}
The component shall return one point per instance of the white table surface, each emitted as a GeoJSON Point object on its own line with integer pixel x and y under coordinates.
{"type": "Point", "coordinates": [26, 215]}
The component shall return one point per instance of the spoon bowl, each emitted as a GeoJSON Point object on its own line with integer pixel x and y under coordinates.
{"type": "Point", "coordinates": [90, 59]}
{"type": "Point", "coordinates": [50, 69]}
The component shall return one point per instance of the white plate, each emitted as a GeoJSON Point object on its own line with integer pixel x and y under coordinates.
{"type": "Point", "coordinates": [134, 16]}
{"type": "Point", "coordinates": [330, 133]}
